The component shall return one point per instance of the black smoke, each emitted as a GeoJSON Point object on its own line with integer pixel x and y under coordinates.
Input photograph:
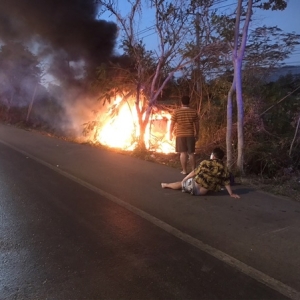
{"type": "Point", "coordinates": [66, 30]}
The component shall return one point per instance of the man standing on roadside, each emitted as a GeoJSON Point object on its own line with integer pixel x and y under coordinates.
{"type": "Point", "coordinates": [187, 133]}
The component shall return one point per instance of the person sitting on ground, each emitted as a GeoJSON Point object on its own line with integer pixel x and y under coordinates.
{"type": "Point", "coordinates": [210, 175]}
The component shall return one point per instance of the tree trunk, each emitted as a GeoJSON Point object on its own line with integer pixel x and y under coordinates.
{"type": "Point", "coordinates": [141, 141]}
{"type": "Point", "coordinates": [229, 127]}
{"type": "Point", "coordinates": [237, 55]}
{"type": "Point", "coordinates": [143, 125]}
{"type": "Point", "coordinates": [240, 115]}
{"type": "Point", "coordinates": [198, 68]}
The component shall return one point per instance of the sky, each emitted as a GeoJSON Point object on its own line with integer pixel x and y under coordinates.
{"type": "Point", "coordinates": [287, 20]}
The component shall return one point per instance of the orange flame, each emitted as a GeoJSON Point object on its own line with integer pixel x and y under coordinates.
{"type": "Point", "coordinates": [120, 128]}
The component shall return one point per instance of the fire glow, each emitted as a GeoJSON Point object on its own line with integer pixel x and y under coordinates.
{"type": "Point", "coordinates": [118, 128]}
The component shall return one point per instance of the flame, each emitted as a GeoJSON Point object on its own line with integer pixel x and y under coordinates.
{"type": "Point", "coordinates": [118, 128]}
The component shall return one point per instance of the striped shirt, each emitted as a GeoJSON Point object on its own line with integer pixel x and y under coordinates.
{"type": "Point", "coordinates": [186, 120]}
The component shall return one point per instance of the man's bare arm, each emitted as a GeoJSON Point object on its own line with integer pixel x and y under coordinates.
{"type": "Point", "coordinates": [229, 190]}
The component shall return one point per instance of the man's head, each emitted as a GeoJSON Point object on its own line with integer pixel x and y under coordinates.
{"type": "Point", "coordinates": [218, 153]}
{"type": "Point", "coordinates": [185, 100]}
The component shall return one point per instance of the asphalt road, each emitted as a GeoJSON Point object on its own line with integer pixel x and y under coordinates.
{"type": "Point", "coordinates": [77, 222]}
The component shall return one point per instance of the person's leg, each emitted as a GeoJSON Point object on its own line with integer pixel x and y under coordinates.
{"type": "Point", "coordinates": [199, 190]}
{"type": "Point", "coordinates": [192, 160]}
{"type": "Point", "coordinates": [181, 147]}
{"type": "Point", "coordinates": [183, 161]}
{"type": "Point", "coordinates": [191, 146]}
{"type": "Point", "coordinates": [172, 185]}
{"type": "Point", "coordinates": [202, 191]}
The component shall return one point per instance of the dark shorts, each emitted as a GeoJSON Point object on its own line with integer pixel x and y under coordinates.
{"type": "Point", "coordinates": [185, 144]}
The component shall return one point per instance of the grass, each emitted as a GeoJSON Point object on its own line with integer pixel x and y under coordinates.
{"type": "Point", "coordinates": [288, 186]}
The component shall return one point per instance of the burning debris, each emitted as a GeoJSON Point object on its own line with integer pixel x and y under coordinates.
{"type": "Point", "coordinates": [118, 128]}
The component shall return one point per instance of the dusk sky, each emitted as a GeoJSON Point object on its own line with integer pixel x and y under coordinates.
{"type": "Point", "coordinates": [288, 20]}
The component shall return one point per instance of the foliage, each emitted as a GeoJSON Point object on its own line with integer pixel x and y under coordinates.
{"type": "Point", "coordinates": [114, 78]}
{"type": "Point", "coordinates": [271, 4]}
{"type": "Point", "coordinates": [267, 47]}
{"type": "Point", "coordinates": [268, 136]}
{"type": "Point", "coordinates": [234, 30]}
{"type": "Point", "coordinates": [270, 128]}
{"type": "Point", "coordinates": [151, 73]}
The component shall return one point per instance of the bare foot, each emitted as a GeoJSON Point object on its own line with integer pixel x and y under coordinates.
{"type": "Point", "coordinates": [184, 173]}
{"type": "Point", "coordinates": [163, 185]}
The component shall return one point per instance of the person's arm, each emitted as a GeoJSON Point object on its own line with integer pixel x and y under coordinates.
{"type": "Point", "coordinates": [229, 190]}
{"type": "Point", "coordinates": [190, 175]}
{"type": "Point", "coordinates": [193, 173]}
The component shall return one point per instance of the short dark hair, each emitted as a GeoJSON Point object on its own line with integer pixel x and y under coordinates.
{"type": "Point", "coordinates": [185, 100]}
{"type": "Point", "coordinates": [218, 153]}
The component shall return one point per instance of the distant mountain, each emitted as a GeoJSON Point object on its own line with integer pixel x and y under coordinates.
{"type": "Point", "coordinates": [283, 71]}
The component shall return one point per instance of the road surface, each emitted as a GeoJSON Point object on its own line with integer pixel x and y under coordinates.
{"type": "Point", "coordinates": [78, 222]}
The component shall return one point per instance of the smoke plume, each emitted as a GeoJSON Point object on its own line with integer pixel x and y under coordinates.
{"type": "Point", "coordinates": [68, 38]}
{"type": "Point", "coordinates": [68, 30]}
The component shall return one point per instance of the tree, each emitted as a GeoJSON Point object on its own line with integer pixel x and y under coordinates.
{"type": "Point", "coordinates": [267, 48]}
{"type": "Point", "coordinates": [154, 69]}
{"type": "Point", "coordinates": [238, 49]}
{"type": "Point", "coordinates": [236, 32]}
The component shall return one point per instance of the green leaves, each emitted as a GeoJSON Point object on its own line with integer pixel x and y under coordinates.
{"type": "Point", "coordinates": [273, 5]}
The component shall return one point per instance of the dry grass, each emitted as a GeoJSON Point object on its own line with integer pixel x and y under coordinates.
{"type": "Point", "coordinates": [288, 186]}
